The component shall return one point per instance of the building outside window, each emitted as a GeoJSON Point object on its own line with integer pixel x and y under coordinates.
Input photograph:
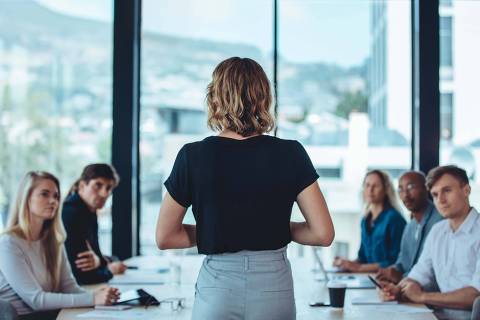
{"type": "Point", "coordinates": [345, 94]}
{"type": "Point", "coordinates": [459, 104]}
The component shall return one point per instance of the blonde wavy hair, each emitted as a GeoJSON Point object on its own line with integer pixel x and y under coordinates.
{"type": "Point", "coordinates": [239, 98]}
{"type": "Point", "coordinates": [52, 234]}
{"type": "Point", "coordinates": [390, 200]}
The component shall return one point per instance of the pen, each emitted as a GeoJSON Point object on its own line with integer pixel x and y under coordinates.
{"type": "Point", "coordinates": [375, 282]}
{"type": "Point", "coordinates": [318, 304]}
{"type": "Point", "coordinates": [132, 267]}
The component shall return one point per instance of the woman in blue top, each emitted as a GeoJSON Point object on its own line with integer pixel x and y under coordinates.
{"type": "Point", "coordinates": [241, 185]}
{"type": "Point", "coordinates": [382, 226]}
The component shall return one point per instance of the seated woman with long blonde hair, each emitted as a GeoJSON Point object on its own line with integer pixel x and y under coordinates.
{"type": "Point", "coordinates": [35, 275]}
{"type": "Point", "coordinates": [382, 226]}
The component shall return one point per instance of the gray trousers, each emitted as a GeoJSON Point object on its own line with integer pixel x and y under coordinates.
{"type": "Point", "coordinates": [247, 285]}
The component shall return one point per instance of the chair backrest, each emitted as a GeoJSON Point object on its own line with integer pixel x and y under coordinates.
{"type": "Point", "coordinates": [7, 312]}
{"type": "Point", "coordinates": [476, 309]}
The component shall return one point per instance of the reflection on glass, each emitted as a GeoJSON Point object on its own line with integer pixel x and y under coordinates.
{"type": "Point", "coordinates": [344, 92]}
{"type": "Point", "coordinates": [55, 93]}
{"type": "Point", "coordinates": [182, 42]}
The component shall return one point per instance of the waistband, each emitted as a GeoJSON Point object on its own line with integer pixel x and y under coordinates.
{"type": "Point", "coordinates": [246, 255]}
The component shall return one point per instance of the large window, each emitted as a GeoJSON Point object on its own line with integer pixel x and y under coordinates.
{"type": "Point", "coordinates": [459, 104]}
{"type": "Point", "coordinates": [182, 42]}
{"type": "Point", "coordinates": [55, 92]}
{"type": "Point", "coordinates": [344, 91]}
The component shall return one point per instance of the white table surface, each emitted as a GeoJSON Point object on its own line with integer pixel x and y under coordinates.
{"type": "Point", "coordinates": [306, 290]}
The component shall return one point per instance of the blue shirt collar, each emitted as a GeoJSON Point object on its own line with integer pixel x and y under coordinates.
{"type": "Point", "coordinates": [426, 214]}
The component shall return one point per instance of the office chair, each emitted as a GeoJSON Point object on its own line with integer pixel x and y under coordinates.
{"type": "Point", "coordinates": [476, 309]}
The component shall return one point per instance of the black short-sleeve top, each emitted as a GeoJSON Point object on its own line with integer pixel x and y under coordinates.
{"type": "Point", "coordinates": [241, 191]}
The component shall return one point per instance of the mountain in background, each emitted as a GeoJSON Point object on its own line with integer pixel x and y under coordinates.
{"type": "Point", "coordinates": [84, 47]}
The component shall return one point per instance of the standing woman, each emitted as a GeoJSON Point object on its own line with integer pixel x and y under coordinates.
{"type": "Point", "coordinates": [241, 185]}
{"type": "Point", "coordinates": [382, 226]}
{"type": "Point", "coordinates": [34, 271]}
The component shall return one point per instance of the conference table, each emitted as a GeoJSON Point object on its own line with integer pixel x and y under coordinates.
{"type": "Point", "coordinates": [155, 275]}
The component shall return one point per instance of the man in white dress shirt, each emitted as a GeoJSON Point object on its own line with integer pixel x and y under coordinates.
{"type": "Point", "coordinates": [451, 254]}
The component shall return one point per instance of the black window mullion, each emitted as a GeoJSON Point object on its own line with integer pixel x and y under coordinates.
{"type": "Point", "coordinates": [125, 128]}
{"type": "Point", "coordinates": [425, 85]}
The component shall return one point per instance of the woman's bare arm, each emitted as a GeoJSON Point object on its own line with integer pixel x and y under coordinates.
{"type": "Point", "coordinates": [171, 233]}
{"type": "Point", "coordinates": [317, 230]}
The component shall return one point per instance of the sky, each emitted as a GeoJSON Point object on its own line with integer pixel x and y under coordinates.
{"type": "Point", "coordinates": [332, 31]}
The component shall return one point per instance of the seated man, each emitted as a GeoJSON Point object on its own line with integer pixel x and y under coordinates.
{"type": "Point", "coordinates": [451, 254]}
{"type": "Point", "coordinates": [414, 195]}
{"type": "Point", "coordinates": [88, 195]}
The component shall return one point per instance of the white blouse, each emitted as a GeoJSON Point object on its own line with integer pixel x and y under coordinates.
{"type": "Point", "coordinates": [451, 258]}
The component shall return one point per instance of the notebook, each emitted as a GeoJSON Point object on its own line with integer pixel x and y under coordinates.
{"type": "Point", "coordinates": [370, 301]}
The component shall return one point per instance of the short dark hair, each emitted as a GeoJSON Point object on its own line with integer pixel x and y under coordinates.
{"type": "Point", "coordinates": [417, 174]}
{"type": "Point", "coordinates": [94, 171]}
{"type": "Point", "coordinates": [436, 173]}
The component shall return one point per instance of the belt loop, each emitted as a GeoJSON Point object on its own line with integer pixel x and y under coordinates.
{"type": "Point", "coordinates": [284, 253]}
{"type": "Point", "coordinates": [245, 258]}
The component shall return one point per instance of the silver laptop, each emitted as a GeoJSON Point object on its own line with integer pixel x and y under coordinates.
{"type": "Point", "coordinates": [353, 281]}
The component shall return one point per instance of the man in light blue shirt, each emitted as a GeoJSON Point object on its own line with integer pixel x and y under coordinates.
{"type": "Point", "coordinates": [414, 195]}
{"type": "Point", "coordinates": [451, 254]}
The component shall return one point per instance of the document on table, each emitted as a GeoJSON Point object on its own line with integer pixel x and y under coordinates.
{"type": "Point", "coordinates": [396, 308]}
{"type": "Point", "coordinates": [371, 301]}
{"type": "Point", "coordinates": [138, 277]}
{"type": "Point", "coordinates": [131, 314]}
